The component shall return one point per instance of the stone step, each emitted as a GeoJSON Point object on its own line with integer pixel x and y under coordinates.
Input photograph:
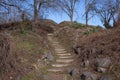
{"type": "Point", "coordinates": [50, 39]}
{"type": "Point", "coordinates": [55, 70]}
{"type": "Point", "coordinates": [60, 65]}
{"type": "Point", "coordinates": [55, 42]}
{"type": "Point", "coordinates": [57, 45]}
{"type": "Point", "coordinates": [65, 54]}
{"type": "Point", "coordinates": [65, 57]}
{"type": "Point", "coordinates": [59, 49]}
{"type": "Point", "coordinates": [62, 52]}
{"type": "Point", "coordinates": [50, 34]}
{"type": "Point", "coordinates": [64, 60]}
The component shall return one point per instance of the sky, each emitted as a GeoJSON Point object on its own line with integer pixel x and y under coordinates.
{"type": "Point", "coordinates": [79, 16]}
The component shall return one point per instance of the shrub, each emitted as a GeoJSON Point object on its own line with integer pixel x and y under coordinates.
{"type": "Point", "coordinates": [27, 25]}
{"type": "Point", "coordinates": [77, 25]}
{"type": "Point", "coordinates": [91, 30]}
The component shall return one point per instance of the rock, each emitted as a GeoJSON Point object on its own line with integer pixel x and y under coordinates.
{"type": "Point", "coordinates": [105, 77]}
{"type": "Point", "coordinates": [48, 56]}
{"type": "Point", "coordinates": [77, 49]}
{"type": "Point", "coordinates": [88, 76]}
{"type": "Point", "coordinates": [86, 63]}
{"type": "Point", "coordinates": [73, 72]}
{"type": "Point", "coordinates": [101, 69]}
{"type": "Point", "coordinates": [103, 64]}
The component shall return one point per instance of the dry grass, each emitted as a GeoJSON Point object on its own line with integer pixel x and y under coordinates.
{"type": "Point", "coordinates": [104, 43]}
{"type": "Point", "coordinates": [29, 47]}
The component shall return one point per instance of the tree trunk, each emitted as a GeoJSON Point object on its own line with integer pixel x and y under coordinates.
{"type": "Point", "coordinates": [71, 18]}
{"type": "Point", "coordinates": [86, 19]}
{"type": "Point", "coordinates": [107, 24]}
{"type": "Point", "coordinates": [86, 13]}
{"type": "Point", "coordinates": [35, 12]}
{"type": "Point", "coordinates": [117, 23]}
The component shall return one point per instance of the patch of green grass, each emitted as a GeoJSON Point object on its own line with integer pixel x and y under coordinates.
{"type": "Point", "coordinates": [43, 50]}
{"type": "Point", "coordinates": [19, 33]}
{"type": "Point", "coordinates": [77, 25]}
{"type": "Point", "coordinates": [25, 45]}
{"type": "Point", "coordinates": [44, 69]}
{"type": "Point", "coordinates": [29, 76]}
{"type": "Point", "coordinates": [22, 31]}
{"type": "Point", "coordinates": [91, 30]}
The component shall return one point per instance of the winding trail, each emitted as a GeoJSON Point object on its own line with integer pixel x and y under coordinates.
{"type": "Point", "coordinates": [63, 59]}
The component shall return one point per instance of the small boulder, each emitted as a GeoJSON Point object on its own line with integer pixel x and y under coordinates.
{"type": "Point", "coordinates": [86, 63]}
{"type": "Point", "coordinates": [88, 76]}
{"type": "Point", "coordinates": [105, 77]}
{"type": "Point", "coordinates": [48, 56]}
{"type": "Point", "coordinates": [77, 50]}
{"type": "Point", "coordinates": [103, 64]}
{"type": "Point", "coordinates": [73, 71]}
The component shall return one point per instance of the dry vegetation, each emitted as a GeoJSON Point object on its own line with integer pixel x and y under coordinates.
{"type": "Point", "coordinates": [9, 67]}
{"type": "Point", "coordinates": [29, 47]}
{"type": "Point", "coordinates": [92, 43]}
{"type": "Point", "coordinates": [22, 50]}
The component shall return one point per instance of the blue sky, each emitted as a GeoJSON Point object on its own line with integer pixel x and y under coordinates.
{"type": "Point", "coordinates": [80, 9]}
{"type": "Point", "coordinates": [79, 16]}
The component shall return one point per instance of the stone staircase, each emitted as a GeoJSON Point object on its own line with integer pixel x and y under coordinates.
{"type": "Point", "coordinates": [63, 59]}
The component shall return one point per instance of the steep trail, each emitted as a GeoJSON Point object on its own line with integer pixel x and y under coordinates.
{"type": "Point", "coordinates": [59, 68]}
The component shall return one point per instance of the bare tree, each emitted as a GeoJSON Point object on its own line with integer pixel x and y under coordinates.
{"type": "Point", "coordinates": [107, 10]}
{"type": "Point", "coordinates": [115, 12]}
{"type": "Point", "coordinates": [89, 5]}
{"type": "Point", "coordinates": [10, 8]}
{"type": "Point", "coordinates": [40, 6]}
{"type": "Point", "coordinates": [68, 6]}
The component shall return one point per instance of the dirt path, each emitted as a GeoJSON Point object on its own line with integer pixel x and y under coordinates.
{"type": "Point", "coordinates": [63, 59]}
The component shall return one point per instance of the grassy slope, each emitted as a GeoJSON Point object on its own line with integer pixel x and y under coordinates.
{"type": "Point", "coordinates": [29, 48]}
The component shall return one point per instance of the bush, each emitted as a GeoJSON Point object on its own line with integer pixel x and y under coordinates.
{"type": "Point", "coordinates": [77, 25]}
{"type": "Point", "coordinates": [22, 31]}
{"type": "Point", "coordinates": [27, 25]}
{"type": "Point", "coordinates": [91, 30]}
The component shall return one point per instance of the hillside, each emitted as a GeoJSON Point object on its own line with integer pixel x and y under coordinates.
{"type": "Point", "coordinates": [36, 54]}
{"type": "Point", "coordinates": [91, 45]}
{"type": "Point", "coordinates": [23, 50]}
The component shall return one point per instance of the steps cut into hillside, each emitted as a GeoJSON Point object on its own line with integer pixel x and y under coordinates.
{"type": "Point", "coordinates": [63, 58]}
